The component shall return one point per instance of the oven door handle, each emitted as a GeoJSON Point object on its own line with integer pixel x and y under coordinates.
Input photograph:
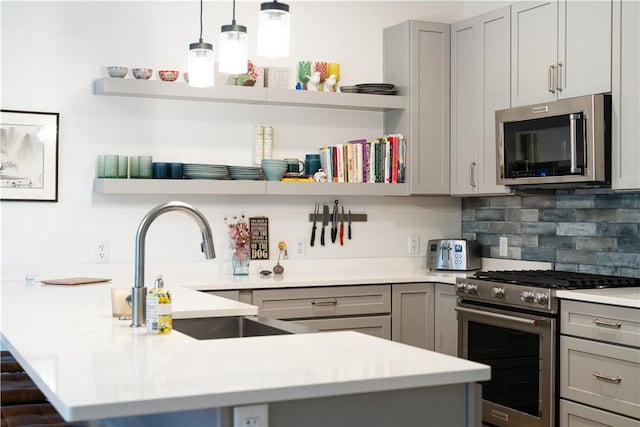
{"type": "Point", "coordinates": [529, 322]}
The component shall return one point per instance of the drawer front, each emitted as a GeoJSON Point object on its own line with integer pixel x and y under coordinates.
{"type": "Point", "coordinates": [601, 375]}
{"type": "Point", "coordinates": [618, 325]}
{"type": "Point", "coordinates": [323, 302]}
{"type": "Point", "coordinates": [231, 294]}
{"type": "Point", "coordinates": [378, 326]}
{"type": "Point", "coordinates": [575, 415]}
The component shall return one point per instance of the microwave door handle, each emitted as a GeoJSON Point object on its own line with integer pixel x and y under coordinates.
{"type": "Point", "coordinates": [573, 130]}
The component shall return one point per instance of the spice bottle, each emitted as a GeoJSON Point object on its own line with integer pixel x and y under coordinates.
{"type": "Point", "coordinates": [159, 318]}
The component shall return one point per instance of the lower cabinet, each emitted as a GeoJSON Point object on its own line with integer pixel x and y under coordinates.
{"type": "Point", "coordinates": [576, 415]}
{"type": "Point", "coordinates": [446, 319]}
{"type": "Point", "coordinates": [378, 326]}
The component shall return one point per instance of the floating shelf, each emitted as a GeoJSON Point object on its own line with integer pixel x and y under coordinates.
{"type": "Point", "coordinates": [247, 95]}
{"type": "Point", "coordinates": [237, 187]}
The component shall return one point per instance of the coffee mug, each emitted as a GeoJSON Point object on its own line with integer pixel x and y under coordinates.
{"type": "Point", "coordinates": [312, 163]}
{"type": "Point", "coordinates": [295, 165]}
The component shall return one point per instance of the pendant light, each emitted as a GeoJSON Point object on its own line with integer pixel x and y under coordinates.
{"type": "Point", "coordinates": [273, 30]}
{"type": "Point", "coordinates": [201, 61]}
{"type": "Point", "coordinates": [234, 51]}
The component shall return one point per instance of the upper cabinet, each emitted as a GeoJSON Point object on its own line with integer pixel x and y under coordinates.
{"type": "Point", "coordinates": [416, 60]}
{"type": "Point", "coordinates": [480, 85]}
{"type": "Point", "coordinates": [560, 49]}
{"type": "Point", "coordinates": [626, 96]}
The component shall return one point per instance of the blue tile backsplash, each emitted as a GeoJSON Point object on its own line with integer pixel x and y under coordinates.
{"type": "Point", "coordinates": [590, 231]}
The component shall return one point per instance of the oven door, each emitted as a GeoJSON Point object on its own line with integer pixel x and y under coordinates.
{"type": "Point", "coordinates": [520, 348]}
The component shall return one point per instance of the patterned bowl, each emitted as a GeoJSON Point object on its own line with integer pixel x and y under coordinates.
{"type": "Point", "coordinates": [117, 71]}
{"type": "Point", "coordinates": [142, 73]}
{"type": "Point", "coordinates": [168, 75]}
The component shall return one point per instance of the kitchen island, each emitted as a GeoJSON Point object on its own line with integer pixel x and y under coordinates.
{"type": "Point", "coordinates": [94, 367]}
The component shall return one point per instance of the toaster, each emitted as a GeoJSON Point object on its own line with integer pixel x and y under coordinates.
{"type": "Point", "coordinates": [453, 254]}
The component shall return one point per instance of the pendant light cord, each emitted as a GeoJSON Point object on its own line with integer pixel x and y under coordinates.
{"type": "Point", "coordinates": [233, 19]}
{"type": "Point", "coordinates": [200, 21]}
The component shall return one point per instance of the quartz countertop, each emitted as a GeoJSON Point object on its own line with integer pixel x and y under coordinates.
{"type": "Point", "coordinates": [93, 366]}
{"type": "Point", "coordinates": [623, 297]}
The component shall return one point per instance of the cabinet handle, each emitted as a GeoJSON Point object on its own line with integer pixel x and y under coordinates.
{"type": "Point", "coordinates": [559, 77]}
{"type": "Point", "coordinates": [331, 301]}
{"type": "Point", "coordinates": [616, 325]}
{"type": "Point", "coordinates": [598, 375]}
{"type": "Point", "coordinates": [550, 84]}
{"type": "Point", "coordinates": [472, 174]}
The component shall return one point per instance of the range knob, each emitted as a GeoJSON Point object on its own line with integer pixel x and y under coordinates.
{"type": "Point", "coordinates": [471, 289]}
{"type": "Point", "coordinates": [527, 296]}
{"type": "Point", "coordinates": [497, 292]}
{"type": "Point", "coordinates": [460, 287]}
{"type": "Point", "coordinates": [541, 299]}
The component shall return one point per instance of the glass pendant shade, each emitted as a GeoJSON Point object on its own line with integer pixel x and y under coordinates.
{"type": "Point", "coordinates": [201, 64]}
{"type": "Point", "coordinates": [234, 49]}
{"type": "Point", "coordinates": [273, 30]}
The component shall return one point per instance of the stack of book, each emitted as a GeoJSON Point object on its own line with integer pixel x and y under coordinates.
{"type": "Point", "coordinates": [381, 160]}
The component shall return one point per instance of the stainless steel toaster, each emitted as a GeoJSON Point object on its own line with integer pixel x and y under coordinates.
{"type": "Point", "coordinates": [453, 254]}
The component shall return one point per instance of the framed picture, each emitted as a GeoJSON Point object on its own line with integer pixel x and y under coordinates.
{"type": "Point", "coordinates": [29, 156]}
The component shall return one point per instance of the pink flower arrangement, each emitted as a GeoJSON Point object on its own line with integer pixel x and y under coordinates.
{"type": "Point", "coordinates": [240, 237]}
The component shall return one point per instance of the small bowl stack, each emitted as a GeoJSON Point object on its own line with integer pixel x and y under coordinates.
{"type": "Point", "coordinates": [274, 169]}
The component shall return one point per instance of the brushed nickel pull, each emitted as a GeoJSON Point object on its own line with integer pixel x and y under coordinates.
{"type": "Point", "coordinates": [472, 173]}
{"type": "Point", "coordinates": [607, 323]}
{"type": "Point", "coordinates": [559, 75]}
{"type": "Point", "coordinates": [331, 301]}
{"type": "Point", "coordinates": [500, 415]}
{"type": "Point", "coordinates": [550, 84]}
{"type": "Point", "coordinates": [615, 380]}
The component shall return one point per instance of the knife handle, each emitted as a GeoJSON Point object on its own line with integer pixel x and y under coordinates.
{"type": "Point", "coordinates": [349, 231]}
{"type": "Point", "coordinates": [341, 234]}
{"type": "Point", "coordinates": [313, 236]}
{"type": "Point", "coordinates": [322, 236]}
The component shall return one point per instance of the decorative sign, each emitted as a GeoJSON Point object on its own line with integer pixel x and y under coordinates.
{"type": "Point", "coordinates": [259, 231]}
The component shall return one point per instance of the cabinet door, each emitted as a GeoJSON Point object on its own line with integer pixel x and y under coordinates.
{"type": "Point", "coordinates": [446, 320]}
{"type": "Point", "coordinates": [625, 173]}
{"type": "Point", "coordinates": [584, 48]}
{"type": "Point", "coordinates": [412, 314]}
{"type": "Point", "coordinates": [533, 51]}
{"type": "Point", "coordinates": [466, 127]}
{"type": "Point", "coordinates": [575, 415]}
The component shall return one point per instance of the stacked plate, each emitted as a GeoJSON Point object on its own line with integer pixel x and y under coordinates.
{"type": "Point", "coordinates": [377, 88]}
{"type": "Point", "coordinates": [202, 171]}
{"type": "Point", "coordinates": [245, 172]}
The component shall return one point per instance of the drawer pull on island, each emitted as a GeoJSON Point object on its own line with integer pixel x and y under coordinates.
{"type": "Point", "coordinates": [616, 325]}
{"type": "Point", "coordinates": [331, 301]}
{"type": "Point", "coordinates": [598, 375]}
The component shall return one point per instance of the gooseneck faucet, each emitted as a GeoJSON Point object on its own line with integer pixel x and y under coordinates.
{"type": "Point", "coordinates": [139, 291]}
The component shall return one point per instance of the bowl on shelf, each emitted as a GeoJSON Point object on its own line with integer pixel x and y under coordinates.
{"type": "Point", "coordinates": [168, 75]}
{"type": "Point", "coordinates": [274, 169]}
{"type": "Point", "coordinates": [117, 71]}
{"type": "Point", "coordinates": [142, 73]}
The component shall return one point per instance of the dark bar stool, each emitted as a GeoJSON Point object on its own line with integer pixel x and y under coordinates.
{"type": "Point", "coordinates": [8, 363]}
{"type": "Point", "coordinates": [18, 388]}
{"type": "Point", "coordinates": [34, 415]}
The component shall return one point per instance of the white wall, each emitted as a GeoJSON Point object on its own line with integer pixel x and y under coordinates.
{"type": "Point", "coordinates": [51, 53]}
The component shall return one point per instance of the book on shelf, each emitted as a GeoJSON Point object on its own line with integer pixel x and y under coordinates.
{"type": "Point", "coordinates": [382, 160]}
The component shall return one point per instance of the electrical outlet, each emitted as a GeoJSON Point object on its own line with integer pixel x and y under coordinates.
{"type": "Point", "coordinates": [414, 244]}
{"type": "Point", "coordinates": [102, 251]}
{"type": "Point", "coordinates": [301, 247]}
{"type": "Point", "coordinates": [504, 245]}
{"type": "Point", "coordinates": [251, 416]}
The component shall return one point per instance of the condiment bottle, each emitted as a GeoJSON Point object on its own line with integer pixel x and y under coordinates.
{"type": "Point", "coordinates": [159, 320]}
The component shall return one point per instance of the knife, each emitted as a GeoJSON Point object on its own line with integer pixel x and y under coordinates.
{"type": "Point", "coordinates": [316, 208]}
{"type": "Point", "coordinates": [349, 226]}
{"type": "Point", "coordinates": [334, 223]}
{"type": "Point", "coordinates": [325, 221]}
{"type": "Point", "coordinates": [342, 227]}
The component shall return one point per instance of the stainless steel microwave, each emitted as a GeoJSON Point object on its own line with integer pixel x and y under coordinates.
{"type": "Point", "coordinates": [560, 144]}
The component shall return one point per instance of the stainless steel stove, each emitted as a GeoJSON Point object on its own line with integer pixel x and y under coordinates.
{"type": "Point", "coordinates": [508, 320]}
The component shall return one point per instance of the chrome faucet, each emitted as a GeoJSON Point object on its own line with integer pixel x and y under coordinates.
{"type": "Point", "coordinates": [139, 291]}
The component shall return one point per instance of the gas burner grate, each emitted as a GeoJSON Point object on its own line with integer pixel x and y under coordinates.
{"type": "Point", "coordinates": [558, 279]}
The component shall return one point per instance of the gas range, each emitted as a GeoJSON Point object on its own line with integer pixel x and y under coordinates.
{"type": "Point", "coordinates": [531, 289]}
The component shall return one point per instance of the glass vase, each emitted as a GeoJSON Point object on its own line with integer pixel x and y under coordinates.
{"type": "Point", "coordinates": [240, 265]}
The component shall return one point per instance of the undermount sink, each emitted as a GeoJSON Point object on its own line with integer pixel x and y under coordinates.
{"type": "Point", "coordinates": [211, 328]}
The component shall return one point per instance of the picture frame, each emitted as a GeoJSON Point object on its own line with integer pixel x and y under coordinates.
{"type": "Point", "coordinates": [29, 156]}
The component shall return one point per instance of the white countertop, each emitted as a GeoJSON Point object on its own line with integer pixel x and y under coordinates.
{"type": "Point", "coordinates": [93, 366]}
{"type": "Point", "coordinates": [624, 297]}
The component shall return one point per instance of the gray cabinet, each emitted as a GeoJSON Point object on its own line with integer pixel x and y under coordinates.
{"type": "Point", "coordinates": [416, 59]}
{"type": "Point", "coordinates": [446, 319]}
{"type": "Point", "coordinates": [576, 415]}
{"type": "Point", "coordinates": [600, 357]}
{"type": "Point", "coordinates": [626, 96]}
{"type": "Point", "coordinates": [413, 314]}
{"type": "Point", "coordinates": [480, 85]}
{"type": "Point", "coordinates": [560, 49]}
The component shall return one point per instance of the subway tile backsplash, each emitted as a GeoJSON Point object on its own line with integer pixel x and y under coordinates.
{"type": "Point", "coordinates": [591, 231]}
